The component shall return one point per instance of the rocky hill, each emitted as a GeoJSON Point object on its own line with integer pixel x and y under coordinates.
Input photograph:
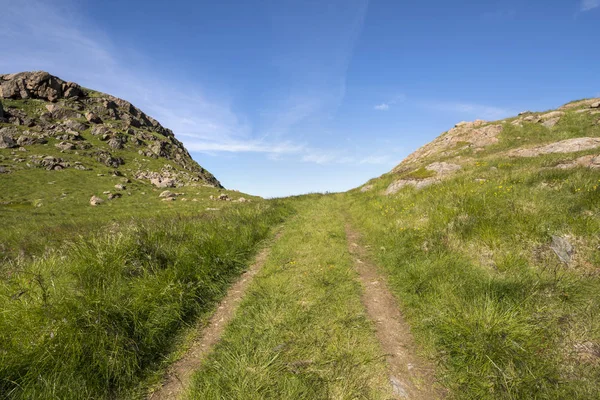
{"type": "Point", "coordinates": [570, 129]}
{"type": "Point", "coordinates": [47, 123]}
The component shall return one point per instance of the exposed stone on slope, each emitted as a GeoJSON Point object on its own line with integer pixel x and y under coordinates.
{"type": "Point", "coordinates": [63, 110]}
{"type": "Point", "coordinates": [6, 140]}
{"type": "Point", "coordinates": [394, 187]}
{"type": "Point", "coordinates": [366, 188]}
{"type": "Point", "coordinates": [469, 134]}
{"type": "Point", "coordinates": [94, 201]}
{"type": "Point", "coordinates": [563, 146]}
{"type": "Point", "coordinates": [581, 103]}
{"type": "Point", "coordinates": [443, 168]}
{"type": "Point", "coordinates": [590, 161]}
{"type": "Point", "coordinates": [36, 85]}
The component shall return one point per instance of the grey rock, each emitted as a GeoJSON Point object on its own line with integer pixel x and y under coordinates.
{"type": "Point", "coordinates": [65, 146]}
{"type": "Point", "coordinates": [366, 188]}
{"type": "Point", "coordinates": [7, 141]}
{"type": "Point", "coordinates": [562, 248]}
{"type": "Point", "coordinates": [398, 388]}
{"type": "Point", "coordinates": [115, 143]}
{"type": "Point", "coordinates": [550, 123]}
{"type": "Point", "coordinates": [120, 186]}
{"type": "Point", "coordinates": [93, 118]}
{"type": "Point", "coordinates": [94, 201]}
{"type": "Point", "coordinates": [99, 130]}
{"type": "Point", "coordinates": [163, 182]}
{"type": "Point", "coordinates": [443, 168]}
{"type": "Point", "coordinates": [76, 125]}
{"type": "Point", "coordinates": [167, 194]}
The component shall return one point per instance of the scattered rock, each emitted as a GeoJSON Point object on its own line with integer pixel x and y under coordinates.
{"type": "Point", "coordinates": [75, 125]}
{"type": "Point", "coordinates": [550, 123]}
{"type": "Point", "coordinates": [169, 199]}
{"type": "Point", "coordinates": [443, 168]}
{"type": "Point", "coordinates": [577, 104]}
{"type": "Point", "coordinates": [562, 248]}
{"type": "Point", "coordinates": [590, 161]}
{"type": "Point", "coordinates": [223, 197]}
{"type": "Point", "coordinates": [94, 201]}
{"type": "Point", "coordinates": [551, 115]}
{"type": "Point", "coordinates": [398, 388]}
{"type": "Point", "coordinates": [99, 130]}
{"type": "Point", "coordinates": [394, 187]}
{"type": "Point", "coordinates": [93, 118]}
{"type": "Point", "coordinates": [163, 182]}
{"type": "Point", "coordinates": [120, 186]}
{"type": "Point", "coordinates": [112, 196]}
{"type": "Point", "coordinates": [366, 188]}
{"type": "Point", "coordinates": [212, 209]}
{"type": "Point", "coordinates": [595, 104]}
{"type": "Point", "coordinates": [167, 194]}
{"type": "Point", "coordinates": [51, 163]}
{"type": "Point", "coordinates": [65, 146]}
{"type": "Point", "coordinates": [563, 146]}
{"type": "Point", "coordinates": [7, 141]}
{"type": "Point", "coordinates": [243, 200]}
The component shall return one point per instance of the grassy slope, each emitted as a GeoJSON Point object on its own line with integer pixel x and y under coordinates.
{"type": "Point", "coordinates": [470, 261]}
{"type": "Point", "coordinates": [301, 332]}
{"type": "Point", "coordinates": [91, 318]}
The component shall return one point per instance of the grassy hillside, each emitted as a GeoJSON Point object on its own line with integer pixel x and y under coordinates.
{"type": "Point", "coordinates": [497, 264]}
{"type": "Point", "coordinates": [488, 236]}
{"type": "Point", "coordinates": [94, 298]}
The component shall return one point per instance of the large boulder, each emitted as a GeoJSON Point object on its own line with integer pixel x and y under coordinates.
{"type": "Point", "coordinates": [94, 201]}
{"type": "Point", "coordinates": [443, 168]}
{"type": "Point", "coordinates": [163, 182]}
{"type": "Point", "coordinates": [563, 146]}
{"type": "Point", "coordinates": [36, 85]}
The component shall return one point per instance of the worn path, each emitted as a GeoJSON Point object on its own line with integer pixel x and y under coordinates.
{"type": "Point", "coordinates": [409, 376]}
{"type": "Point", "coordinates": [179, 374]}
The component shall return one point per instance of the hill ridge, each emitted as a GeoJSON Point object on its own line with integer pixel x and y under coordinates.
{"type": "Point", "coordinates": [37, 108]}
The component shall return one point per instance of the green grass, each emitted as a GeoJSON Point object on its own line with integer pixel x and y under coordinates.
{"type": "Point", "coordinates": [301, 332]}
{"type": "Point", "coordinates": [92, 318]}
{"type": "Point", "coordinates": [470, 261]}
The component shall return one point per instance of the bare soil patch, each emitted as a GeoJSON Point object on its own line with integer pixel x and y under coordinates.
{"type": "Point", "coordinates": [179, 375]}
{"type": "Point", "coordinates": [410, 376]}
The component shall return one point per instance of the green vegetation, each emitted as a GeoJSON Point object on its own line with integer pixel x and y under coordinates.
{"type": "Point", "coordinates": [89, 319]}
{"type": "Point", "coordinates": [96, 301]}
{"type": "Point", "coordinates": [301, 332]}
{"type": "Point", "coordinates": [470, 259]}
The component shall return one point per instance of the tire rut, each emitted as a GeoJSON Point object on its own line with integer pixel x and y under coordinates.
{"type": "Point", "coordinates": [410, 377]}
{"type": "Point", "coordinates": [178, 377]}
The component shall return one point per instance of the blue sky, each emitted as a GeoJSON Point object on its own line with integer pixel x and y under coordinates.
{"type": "Point", "coordinates": [288, 97]}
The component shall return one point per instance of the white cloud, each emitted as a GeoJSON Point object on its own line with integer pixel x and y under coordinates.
{"type": "Point", "coordinates": [377, 160]}
{"type": "Point", "coordinates": [37, 35]}
{"type": "Point", "coordinates": [474, 110]}
{"type": "Point", "coordinates": [587, 5]}
{"type": "Point", "coordinates": [382, 107]}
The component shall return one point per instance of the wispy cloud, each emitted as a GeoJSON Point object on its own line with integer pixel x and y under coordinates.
{"type": "Point", "coordinates": [587, 5]}
{"type": "Point", "coordinates": [470, 109]}
{"type": "Point", "coordinates": [39, 35]}
{"type": "Point", "coordinates": [323, 157]}
{"type": "Point", "coordinates": [385, 106]}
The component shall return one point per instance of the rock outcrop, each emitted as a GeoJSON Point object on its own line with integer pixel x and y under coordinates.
{"type": "Point", "coordinates": [36, 107]}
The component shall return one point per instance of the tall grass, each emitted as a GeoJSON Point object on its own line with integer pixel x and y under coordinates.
{"type": "Point", "coordinates": [471, 262]}
{"type": "Point", "coordinates": [90, 319]}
